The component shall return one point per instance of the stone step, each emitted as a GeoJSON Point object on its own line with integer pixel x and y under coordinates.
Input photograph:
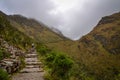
{"type": "Point", "coordinates": [33, 63]}
{"type": "Point", "coordinates": [31, 60]}
{"type": "Point", "coordinates": [31, 55]}
{"type": "Point", "coordinates": [30, 70]}
{"type": "Point", "coordinates": [32, 66]}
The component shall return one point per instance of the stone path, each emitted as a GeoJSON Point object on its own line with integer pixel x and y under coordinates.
{"type": "Point", "coordinates": [33, 69]}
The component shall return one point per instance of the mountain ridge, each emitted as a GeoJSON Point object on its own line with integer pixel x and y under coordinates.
{"type": "Point", "coordinates": [40, 28]}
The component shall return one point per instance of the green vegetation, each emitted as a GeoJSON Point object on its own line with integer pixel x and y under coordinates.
{"type": "Point", "coordinates": [12, 35]}
{"type": "Point", "coordinates": [3, 54]}
{"type": "Point", "coordinates": [58, 65]}
{"type": "Point", "coordinates": [3, 75]}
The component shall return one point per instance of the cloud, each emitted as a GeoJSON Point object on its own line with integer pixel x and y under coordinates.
{"type": "Point", "coordinates": [38, 9]}
{"type": "Point", "coordinates": [74, 18]}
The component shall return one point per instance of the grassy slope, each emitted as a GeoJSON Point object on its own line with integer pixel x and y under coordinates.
{"type": "Point", "coordinates": [12, 35]}
{"type": "Point", "coordinates": [35, 30]}
{"type": "Point", "coordinates": [14, 38]}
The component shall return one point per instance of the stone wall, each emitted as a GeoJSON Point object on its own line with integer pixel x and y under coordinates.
{"type": "Point", "coordinates": [11, 64]}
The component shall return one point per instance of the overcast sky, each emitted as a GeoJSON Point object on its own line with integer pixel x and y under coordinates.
{"type": "Point", "coordinates": [74, 18]}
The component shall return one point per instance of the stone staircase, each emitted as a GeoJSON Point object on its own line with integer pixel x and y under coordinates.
{"type": "Point", "coordinates": [32, 63]}
{"type": "Point", "coordinates": [33, 69]}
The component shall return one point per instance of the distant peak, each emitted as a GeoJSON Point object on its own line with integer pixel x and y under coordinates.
{"type": "Point", "coordinates": [57, 31]}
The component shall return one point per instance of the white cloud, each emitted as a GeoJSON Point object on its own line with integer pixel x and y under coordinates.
{"type": "Point", "coordinates": [73, 17]}
{"type": "Point", "coordinates": [64, 5]}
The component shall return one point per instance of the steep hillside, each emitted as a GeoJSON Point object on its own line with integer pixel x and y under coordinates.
{"type": "Point", "coordinates": [35, 29]}
{"type": "Point", "coordinates": [11, 34]}
{"type": "Point", "coordinates": [99, 51]}
{"type": "Point", "coordinates": [13, 45]}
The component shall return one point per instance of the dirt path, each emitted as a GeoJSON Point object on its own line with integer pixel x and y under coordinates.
{"type": "Point", "coordinates": [33, 69]}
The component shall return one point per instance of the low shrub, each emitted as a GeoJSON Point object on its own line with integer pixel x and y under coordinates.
{"type": "Point", "coordinates": [3, 54]}
{"type": "Point", "coordinates": [43, 50]}
{"type": "Point", "coordinates": [59, 64]}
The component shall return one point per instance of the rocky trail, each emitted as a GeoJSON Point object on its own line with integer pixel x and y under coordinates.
{"type": "Point", "coordinates": [33, 69]}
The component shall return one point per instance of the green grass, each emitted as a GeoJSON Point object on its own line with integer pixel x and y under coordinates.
{"type": "Point", "coordinates": [4, 75]}
{"type": "Point", "coordinates": [12, 35]}
{"type": "Point", "coordinates": [14, 38]}
{"type": "Point", "coordinates": [3, 54]}
{"type": "Point", "coordinates": [57, 64]}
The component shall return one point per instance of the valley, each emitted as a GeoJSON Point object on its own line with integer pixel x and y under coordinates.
{"type": "Point", "coordinates": [95, 56]}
